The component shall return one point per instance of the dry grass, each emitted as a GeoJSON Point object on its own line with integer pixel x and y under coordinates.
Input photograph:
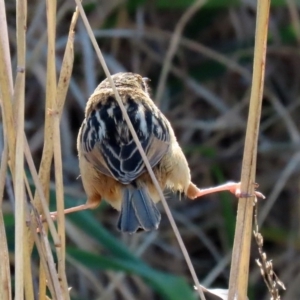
{"type": "Point", "coordinates": [203, 89]}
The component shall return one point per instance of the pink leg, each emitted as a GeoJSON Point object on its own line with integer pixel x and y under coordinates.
{"type": "Point", "coordinates": [233, 187]}
{"type": "Point", "coordinates": [70, 210]}
{"type": "Point", "coordinates": [73, 209]}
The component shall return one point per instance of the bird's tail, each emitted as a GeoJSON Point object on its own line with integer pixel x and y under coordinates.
{"type": "Point", "coordinates": [138, 211]}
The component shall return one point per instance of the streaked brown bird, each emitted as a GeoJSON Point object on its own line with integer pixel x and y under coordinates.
{"type": "Point", "coordinates": [111, 165]}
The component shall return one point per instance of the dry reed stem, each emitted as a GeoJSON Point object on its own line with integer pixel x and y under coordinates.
{"type": "Point", "coordinates": [4, 44]}
{"type": "Point", "coordinates": [6, 88]}
{"type": "Point", "coordinates": [59, 238]}
{"type": "Point", "coordinates": [239, 272]}
{"type": "Point", "coordinates": [47, 262]}
{"type": "Point", "coordinates": [24, 253]}
{"type": "Point", "coordinates": [62, 87]}
{"type": "Point", "coordinates": [5, 279]}
{"type": "Point", "coordinates": [44, 171]}
{"type": "Point", "coordinates": [6, 93]}
{"type": "Point", "coordinates": [141, 150]}
{"type": "Point", "coordinates": [46, 257]}
{"type": "Point", "coordinates": [42, 242]}
{"type": "Point", "coordinates": [40, 192]}
{"type": "Point", "coordinates": [28, 280]}
{"type": "Point", "coordinates": [61, 247]}
{"type": "Point", "coordinates": [19, 191]}
{"type": "Point", "coordinates": [63, 84]}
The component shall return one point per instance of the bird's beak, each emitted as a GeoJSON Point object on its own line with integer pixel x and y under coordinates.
{"type": "Point", "coordinates": [146, 79]}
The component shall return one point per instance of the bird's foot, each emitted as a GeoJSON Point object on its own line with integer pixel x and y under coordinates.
{"type": "Point", "coordinates": [234, 187]}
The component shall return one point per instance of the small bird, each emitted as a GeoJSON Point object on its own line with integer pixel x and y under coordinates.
{"type": "Point", "coordinates": [111, 165]}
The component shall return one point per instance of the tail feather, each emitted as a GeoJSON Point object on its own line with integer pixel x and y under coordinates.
{"type": "Point", "coordinates": [138, 211]}
{"type": "Point", "coordinates": [128, 221]}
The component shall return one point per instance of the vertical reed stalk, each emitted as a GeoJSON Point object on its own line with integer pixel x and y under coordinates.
{"type": "Point", "coordinates": [239, 272]}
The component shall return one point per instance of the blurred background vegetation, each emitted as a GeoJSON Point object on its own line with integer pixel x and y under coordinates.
{"type": "Point", "coordinates": [205, 96]}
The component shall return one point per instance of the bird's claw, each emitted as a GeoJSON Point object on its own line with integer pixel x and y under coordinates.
{"type": "Point", "coordinates": [239, 194]}
{"type": "Point", "coordinates": [53, 216]}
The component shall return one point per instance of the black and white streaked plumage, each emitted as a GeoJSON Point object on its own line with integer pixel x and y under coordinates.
{"type": "Point", "coordinates": [111, 165]}
{"type": "Point", "coordinates": [106, 131]}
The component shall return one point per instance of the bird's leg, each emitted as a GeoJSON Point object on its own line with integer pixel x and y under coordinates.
{"type": "Point", "coordinates": [73, 209]}
{"type": "Point", "coordinates": [53, 214]}
{"type": "Point", "coordinates": [234, 187]}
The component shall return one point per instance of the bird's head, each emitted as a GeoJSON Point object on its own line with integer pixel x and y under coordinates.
{"type": "Point", "coordinates": [129, 80]}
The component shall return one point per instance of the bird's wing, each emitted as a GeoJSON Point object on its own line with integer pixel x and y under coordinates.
{"type": "Point", "coordinates": [108, 144]}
